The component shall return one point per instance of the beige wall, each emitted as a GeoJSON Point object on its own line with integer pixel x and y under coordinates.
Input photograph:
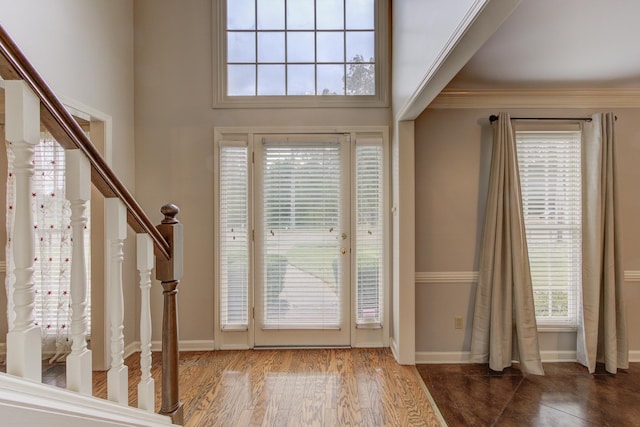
{"type": "Point", "coordinates": [452, 155]}
{"type": "Point", "coordinates": [84, 51]}
{"type": "Point", "coordinates": [174, 138]}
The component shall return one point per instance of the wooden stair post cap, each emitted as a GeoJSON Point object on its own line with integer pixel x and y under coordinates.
{"type": "Point", "coordinates": [170, 211]}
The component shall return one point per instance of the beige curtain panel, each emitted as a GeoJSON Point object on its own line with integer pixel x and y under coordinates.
{"type": "Point", "coordinates": [602, 330]}
{"type": "Point", "coordinates": [504, 322]}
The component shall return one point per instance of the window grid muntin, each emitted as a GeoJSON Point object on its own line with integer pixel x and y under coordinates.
{"type": "Point", "coordinates": [344, 64]}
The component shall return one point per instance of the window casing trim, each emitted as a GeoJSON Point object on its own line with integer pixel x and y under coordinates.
{"type": "Point", "coordinates": [243, 338]}
{"type": "Point", "coordinates": [219, 80]}
{"type": "Point", "coordinates": [552, 323]}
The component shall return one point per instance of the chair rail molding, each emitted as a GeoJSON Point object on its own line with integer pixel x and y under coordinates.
{"type": "Point", "coordinates": [466, 277]}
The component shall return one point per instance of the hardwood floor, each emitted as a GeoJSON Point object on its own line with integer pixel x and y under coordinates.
{"type": "Point", "coordinates": [310, 387]}
{"type": "Point", "coordinates": [473, 395]}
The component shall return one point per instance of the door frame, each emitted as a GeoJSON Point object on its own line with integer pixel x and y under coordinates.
{"type": "Point", "coordinates": [360, 337]}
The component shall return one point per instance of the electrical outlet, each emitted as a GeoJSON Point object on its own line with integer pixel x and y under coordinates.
{"type": "Point", "coordinates": [458, 322]}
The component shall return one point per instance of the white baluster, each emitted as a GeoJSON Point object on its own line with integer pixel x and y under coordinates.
{"type": "Point", "coordinates": [24, 346]}
{"type": "Point", "coordinates": [78, 192]}
{"type": "Point", "coordinates": [116, 232]}
{"type": "Point", "coordinates": [146, 388]}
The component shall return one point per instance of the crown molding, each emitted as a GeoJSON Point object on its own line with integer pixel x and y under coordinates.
{"type": "Point", "coordinates": [537, 98]}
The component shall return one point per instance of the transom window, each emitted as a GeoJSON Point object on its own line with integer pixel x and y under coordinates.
{"type": "Point", "coordinates": [550, 178]}
{"type": "Point", "coordinates": [275, 50]}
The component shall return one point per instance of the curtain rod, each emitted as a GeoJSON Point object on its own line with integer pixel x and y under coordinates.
{"type": "Point", "coordinates": [493, 118]}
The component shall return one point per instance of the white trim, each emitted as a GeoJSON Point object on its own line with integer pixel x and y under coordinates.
{"type": "Point", "coordinates": [134, 347]}
{"type": "Point", "coordinates": [439, 61]}
{"type": "Point", "coordinates": [432, 402]}
{"type": "Point", "coordinates": [91, 114]}
{"type": "Point", "coordinates": [437, 357]}
{"type": "Point", "coordinates": [241, 133]}
{"type": "Point", "coordinates": [466, 277]}
{"type": "Point", "coordinates": [246, 135]}
{"type": "Point", "coordinates": [634, 355]}
{"type": "Point", "coordinates": [481, 21]}
{"type": "Point", "coordinates": [433, 277]}
{"type": "Point", "coordinates": [632, 276]}
{"type": "Point", "coordinates": [131, 348]}
{"type": "Point", "coordinates": [191, 345]}
{"type": "Point", "coordinates": [434, 357]}
{"type": "Point", "coordinates": [52, 405]}
{"type": "Point", "coordinates": [393, 346]}
{"type": "Point", "coordinates": [237, 347]}
{"type": "Point", "coordinates": [382, 54]}
{"type": "Point", "coordinates": [558, 356]}
{"type": "Point", "coordinates": [537, 98]}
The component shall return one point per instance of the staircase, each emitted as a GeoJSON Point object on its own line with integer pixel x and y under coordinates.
{"type": "Point", "coordinates": [30, 105]}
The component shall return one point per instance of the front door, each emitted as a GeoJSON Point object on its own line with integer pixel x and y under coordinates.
{"type": "Point", "coordinates": [302, 240]}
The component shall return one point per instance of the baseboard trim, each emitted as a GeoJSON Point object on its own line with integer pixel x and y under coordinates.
{"type": "Point", "coordinates": [634, 356]}
{"type": "Point", "coordinates": [558, 356]}
{"type": "Point", "coordinates": [191, 345]}
{"type": "Point", "coordinates": [434, 357]}
{"type": "Point", "coordinates": [394, 348]}
{"type": "Point", "coordinates": [131, 348]}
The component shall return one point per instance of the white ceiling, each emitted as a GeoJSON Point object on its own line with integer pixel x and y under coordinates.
{"type": "Point", "coordinates": [560, 43]}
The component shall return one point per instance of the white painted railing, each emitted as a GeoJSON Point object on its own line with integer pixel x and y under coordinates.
{"type": "Point", "coordinates": [24, 340]}
{"type": "Point", "coordinates": [26, 98]}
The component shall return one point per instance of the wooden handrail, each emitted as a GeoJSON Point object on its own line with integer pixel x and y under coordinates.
{"type": "Point", "coordinates": [64, 128]}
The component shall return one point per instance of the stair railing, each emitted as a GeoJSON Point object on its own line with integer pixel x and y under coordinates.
{"type": "Point", "coordinates": [29, 103]}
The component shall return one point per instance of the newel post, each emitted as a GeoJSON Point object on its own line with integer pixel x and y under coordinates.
{"type": "Point", "coordinates": [169, 272]}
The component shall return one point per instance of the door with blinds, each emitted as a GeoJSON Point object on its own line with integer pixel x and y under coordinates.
{"type": "Point", "coordinates": [302, 240]}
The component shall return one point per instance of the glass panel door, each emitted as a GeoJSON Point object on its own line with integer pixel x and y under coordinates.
{"type": "Point", "coordinates": [303, 244]}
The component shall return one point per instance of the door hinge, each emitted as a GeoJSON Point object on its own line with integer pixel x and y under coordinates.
{"type": "Point", "coordinates": [253, 157]}
{"type": "Point", "coordinates": [253, 312]}
{"type": "Point", "coordinates": [253, 235]}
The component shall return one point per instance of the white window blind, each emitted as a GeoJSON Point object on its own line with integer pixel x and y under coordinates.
{"type": "Point", "coordinates": [550, 177]}
{"type": "Point", "coordinates": [234, 236]}
{"type": "Point", "coordinates": [369, 243]}
{"type": "Point", "coordinates": [301, 206]}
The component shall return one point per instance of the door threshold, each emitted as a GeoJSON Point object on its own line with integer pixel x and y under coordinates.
{"type": "Point", "coordinates": [298, 347]}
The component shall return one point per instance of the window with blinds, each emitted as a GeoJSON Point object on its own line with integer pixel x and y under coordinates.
{"type": "Point", "coordinates": [369, 233]}
{"type": "Point", "coordinates": [234, 236]}
{"type": "Point", "coordinates": [302, 228]}
{"type": "Point", "coordinates": [550, 179]}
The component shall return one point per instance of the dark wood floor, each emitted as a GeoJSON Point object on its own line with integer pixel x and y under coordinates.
{"type": "Point", "coordinates": [473, 395]}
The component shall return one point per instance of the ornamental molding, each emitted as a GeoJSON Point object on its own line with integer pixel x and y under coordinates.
{"type": "Point", "coordinates": [468, 277]}
{"type": "Point", "coordinates": [537, 98]}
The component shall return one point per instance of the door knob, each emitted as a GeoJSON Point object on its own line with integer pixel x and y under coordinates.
{"type": "Point", "coordinates": [343, 251]}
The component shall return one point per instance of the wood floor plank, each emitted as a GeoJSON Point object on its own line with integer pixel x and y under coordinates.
{"type": "Point", "coordinates": [310, 387]}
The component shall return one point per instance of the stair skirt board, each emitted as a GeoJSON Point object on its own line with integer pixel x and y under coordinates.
{"type": "Point", "coordinates": [24, 402]}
